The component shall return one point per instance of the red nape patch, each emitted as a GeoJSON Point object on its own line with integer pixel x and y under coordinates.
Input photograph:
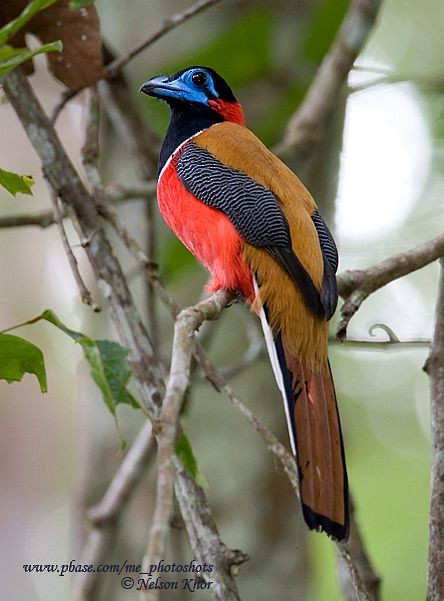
{"type": "Point", "coordinates": [230, 111]}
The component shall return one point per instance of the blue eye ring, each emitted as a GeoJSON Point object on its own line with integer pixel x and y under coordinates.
{"type": "Point", "coordinates": [199, 78]}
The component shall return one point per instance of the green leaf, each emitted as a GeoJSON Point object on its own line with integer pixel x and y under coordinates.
{"type": "Point", "coordinates": [11, 28]}
{"type": "Point", "coordinates": [185, 453]}
{"type": "Point", "coordinates": [10, 58]}
{"type": "Point", "coordinates": [17, 357]}
{"type": "Point", "coordinates": [110, 371]}
{"type": "Point", "coordinates": [75, 4]}
{"type": "Point", "coordinates": [14, 183]}
{"type": "Point", "coordinates": [107, 361]}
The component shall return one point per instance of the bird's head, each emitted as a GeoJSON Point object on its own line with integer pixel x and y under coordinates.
{"type": "Point", "coordinates": [200, 87]}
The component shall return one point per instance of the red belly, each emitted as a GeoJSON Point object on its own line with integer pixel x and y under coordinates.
{"type": "Point", "coordinates": [206, 232]}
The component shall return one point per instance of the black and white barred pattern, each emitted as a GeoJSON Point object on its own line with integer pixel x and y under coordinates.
{"type": "Point", "coordinates": [252, 209]}
{"type": "Point", "coordinates": [326, 240]}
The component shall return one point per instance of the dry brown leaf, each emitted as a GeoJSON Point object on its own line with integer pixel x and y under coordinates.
{"type": "Point", "coordinates": [80, 63]}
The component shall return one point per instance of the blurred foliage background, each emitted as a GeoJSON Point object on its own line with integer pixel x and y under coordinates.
{"type": "Point", "coordinates": [378, 178]}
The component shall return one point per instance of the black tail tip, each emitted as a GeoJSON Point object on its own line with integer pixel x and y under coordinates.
{"type": "Point", "coordinates": [320, 523]}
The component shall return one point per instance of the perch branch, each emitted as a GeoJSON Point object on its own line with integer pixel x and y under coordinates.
{"type": "Point", "coordinates": [307, 126]}
{"type": "Point", "coordinates": [356, 285]}
{"type": "Point", "coordinates": [187, 322]}
{"type": "Point", "coordinates": [435, 369]}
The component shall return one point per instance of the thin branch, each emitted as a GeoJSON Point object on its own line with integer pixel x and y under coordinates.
{"type": "Point", "coordinates": [307, 126]}
{"type": "Point", "coordinates": [85, 294]}
{"type": "Point", "coordinates": [130, 129]}
{"type": "Point", "coordinates": [254, 350]}
{"type": "Point", "coordinates": [65, 98]}
{"type": "Point", "coordinates": [356, 285]}
{"type": "Point", "coordinates": [109, 213]}
{"type": "Point", "coordinates": [42, 219]}
{"type": "Point", "coordinates": [356, 550]}
{"type": "Point", "coordinates": [114, 192]}
{"type": "Point", "coordinates": [143, 146]}
{"type": "Point", "coordinates": [118, 193]}
{"type": "Point", "coordinates": [90, 149]}
{"type": "Point", "coordinates": [107, 513]}
{"type": "Point", "coordinates": [187, 322]}
{"type": "Point", "coordinates": [168, 25]}
{"type": "Point", "coordinates": [435, 369]}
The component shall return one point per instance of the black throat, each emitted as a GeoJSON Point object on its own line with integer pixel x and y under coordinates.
{"type": "Point", "coordinates": [186, 120]}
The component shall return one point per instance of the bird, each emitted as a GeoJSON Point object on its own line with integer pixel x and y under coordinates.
{"type": "Point", "coordinates": [252, 223]}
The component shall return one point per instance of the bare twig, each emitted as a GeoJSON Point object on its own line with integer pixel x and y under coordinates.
{"type": "Point", "coordinates": [90, 149]}
{"type": "Point", "coordinates": [143, 146]}
{"type": "Point", "coordinates": [106, 514]}
{"type": "Point", "coordinates": [254, 351]}
{"type": "Point", "coordinates": [187, 322]}
{"type": "Point", "coordinates": [114, 192]}
{"type": "Point", "coordinates": [109, 212]}
{"type": "Point", "coordinates": [130, 129]}
{"type": "Point", "coordinates": [356, 550]}
{"type": "Point", "coordinates": [118, 193]}
{"type": "Point", "coordinates": [65, 98]}
{"type": "Point", "coordinates": [167, 25]}
{"type": "Point", "coordinates": [205, 539]}
{"type": "Point", "coordinates": [85, 294]}
{"type": "Point", "coordinates": [42, 219]}
{"type": "Point", "coordinates": [356, 285]}
{"type": "Point", "coordinates": [435, 369]}
{"type": "Point", "coordinates": [306, 128]}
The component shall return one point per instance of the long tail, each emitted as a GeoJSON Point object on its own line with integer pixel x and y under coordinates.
{"type": "Point", "coordinates": [315, 436]}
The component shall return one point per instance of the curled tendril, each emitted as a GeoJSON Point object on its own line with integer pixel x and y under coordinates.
{"type": "Point", "coordinates": [392, 337]}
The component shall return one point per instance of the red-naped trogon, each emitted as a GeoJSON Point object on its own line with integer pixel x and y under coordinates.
{"type": "Point", "coordinates": [256, 228]}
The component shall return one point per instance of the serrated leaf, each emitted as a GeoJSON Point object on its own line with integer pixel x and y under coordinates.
{"type": "Point", "coordinates": [18, 357]}
{"type": "Point", "coordinates": [75, 4]}
{"type": "Point", "coordinates": [185, 453]}
{"type": "Point", "coordinates": [11, 28]}
{"type": "Point", "coordinates": [21, 55]}
{"type": "Point", "coordinates": [15, 183]}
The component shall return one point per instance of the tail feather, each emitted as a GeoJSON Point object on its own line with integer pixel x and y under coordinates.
{"type": "Point", "coordinates": [315, 436]}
